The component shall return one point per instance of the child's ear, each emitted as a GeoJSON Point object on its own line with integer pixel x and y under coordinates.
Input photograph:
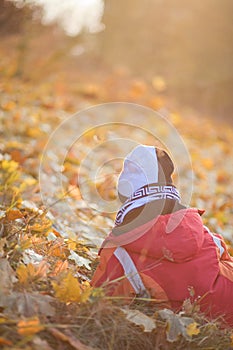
{"type": "Point", "coordinates": [166, 166]}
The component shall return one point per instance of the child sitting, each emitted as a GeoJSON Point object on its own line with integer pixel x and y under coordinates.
{"type": "Point", "coordinates": [160, 248]}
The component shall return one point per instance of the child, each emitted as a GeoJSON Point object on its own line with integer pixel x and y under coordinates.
{"type": "Point", "coordinates": [160, 248]}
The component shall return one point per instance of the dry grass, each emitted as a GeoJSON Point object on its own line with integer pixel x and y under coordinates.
{"type": "Point", "coordinates": [102, 325]}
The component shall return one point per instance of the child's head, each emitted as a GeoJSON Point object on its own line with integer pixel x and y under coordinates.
{"type": "Point", "coordinates": [144, 165]}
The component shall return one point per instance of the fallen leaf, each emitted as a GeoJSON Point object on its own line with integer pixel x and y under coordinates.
{"type": "Point", "coordinates": [138, 88]}
{"type": "Point", "coordinates": [9, 165]}
{"type": "Point", "coordinates": [58, 249]}
{"type": "Point", "coordinates": [27, 304]}
{"type": "Point", "coordinates": [208, 163]}
{"type": "Point", "coordinates": [30, 256]}
{"type": "Point", "coordinates": [178, 325]}
{"type": "Point", "coordinates": [79, 260]}
{"type": "Point", "coordinates": [17, 156]}
{"type": "Point", "coordinates": [40, 344]}
{"type": "Point", "coordinates": [7, 277]}
{"type": "Point", "coordinates": [29, 326]}
{"type": "Point", "coordinates": [140, 319]}
{"type": "Point", "coordinates": [30, 272]}
{"type": "Point", "coordinates": [67, 289]}
{"type": "Point", "coordinates": [3, 320]}
{"type": "Point", "coordinates": [3, 243]}
{"type": "Point", "coordinates": [2, 213]}
{"type": "Point", "coordinates": [74, 342]}
{"type": "Point", "coordinates": [192, 329]}
{"type": "Point", "coordinates": [71, 244]}
{"type": "Point", "coordinates": [8, 106]}
{"type": "Point", "coordinates": [86, 291]}
{"type": "Point", "coordinates": [33, 132]}
{"type": "Point", "coordinates": [4, 341]}
{"type": "Point", "coordinates": [41, 227]}
{"type": "Point", "coordinates": [59, 267]}
{"type": "Point", "coordinates": [25, 243]}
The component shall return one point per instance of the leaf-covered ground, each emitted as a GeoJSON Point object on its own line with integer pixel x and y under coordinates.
{"type": "Point", "coordinates": [47, 257]}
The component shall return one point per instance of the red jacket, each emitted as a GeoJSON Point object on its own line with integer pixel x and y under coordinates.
{"type": "Point", "coordinates": [172, 264]}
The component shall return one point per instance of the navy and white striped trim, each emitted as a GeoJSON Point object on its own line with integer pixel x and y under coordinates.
{"type": "Point", "coordinates": [144, 195]}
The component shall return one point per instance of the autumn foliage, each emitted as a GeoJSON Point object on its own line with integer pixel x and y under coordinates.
{"type": "Point", "coordinates": [47, 259]}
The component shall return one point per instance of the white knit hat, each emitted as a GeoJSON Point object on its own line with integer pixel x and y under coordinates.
{"type": "Point", "coordinates": [140, 168]}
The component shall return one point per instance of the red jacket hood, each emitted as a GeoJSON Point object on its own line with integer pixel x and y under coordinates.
{"type": "Point", "coordinates": [176, 237]}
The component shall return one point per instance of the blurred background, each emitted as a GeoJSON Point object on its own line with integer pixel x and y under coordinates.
{"type": "Point", "coordinates": [183, 50]}
{"type": "Point", "coordinates": [62, 57]}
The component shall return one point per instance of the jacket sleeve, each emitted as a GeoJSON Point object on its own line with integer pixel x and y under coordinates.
{"type": "Point", "coordinates": [110, 275]}
{"type": "Point", "coordinates": [100, 275]}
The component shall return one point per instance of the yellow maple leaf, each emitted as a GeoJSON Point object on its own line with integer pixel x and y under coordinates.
{"type": "Point", "coordinates": [71, 244]}
{"type": "Point", "coordinates": [192, 329]}
{"type": "Point", "coordinates": [29, 326]}
{"type": "Point", "coordinates": [9, 165]}
{"type": "Point", "coordinates": [31, 272]}
{"type": "Point", "coordinates": [67, 289]}
{"type": "Point", "coordinates": [25, 243]}
{"type": "Point", "coordinates": [41, 227]}
{"type": "Point", "coordinates": [22, 274]}
{"type": "Point", "coordinates": [27, 183]}
{"type": "Point", "coordinates": [33, 132]}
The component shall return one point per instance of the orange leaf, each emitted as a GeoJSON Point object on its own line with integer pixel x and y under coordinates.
{"type": "Point", "coordinates": [41, 227]}
{"type": "Point", "coordinates": [58, 249]}
{"type": "Point", "coordinates": [8, 106]}
{"type": "Point", "coordinates": [4, 341]}
{"type": "Point", "coordinates": [156, 102]}
{"type": "Point", "coordinates": [208, 163]}
{"type": "Point", "coordinates": [42, 269]}
{"type": "Point", "coordinates": [138, 88]}
{"type": "Point", "coordinates": [29, 326]}
{"type": "Point", "coordinates": [59, 267]}
{"type": "Point", "coordinates": [17, 156]}
{"type": "Point", "coordinates": [14, 214]}
{"type": "Point", "coordinates": [33, 132]}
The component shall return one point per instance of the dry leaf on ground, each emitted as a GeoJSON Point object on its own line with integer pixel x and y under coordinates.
{"type": "Point", "coordinates": [28, 304]}
{"type": "Point", "coordinates": [74, 342]}
{"type": "Point", "coordinates": [178, 325]}
{"type": "Point", "coordinates": [29, 326]}
{"type": "Point", "coordinates": [138, 318]}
